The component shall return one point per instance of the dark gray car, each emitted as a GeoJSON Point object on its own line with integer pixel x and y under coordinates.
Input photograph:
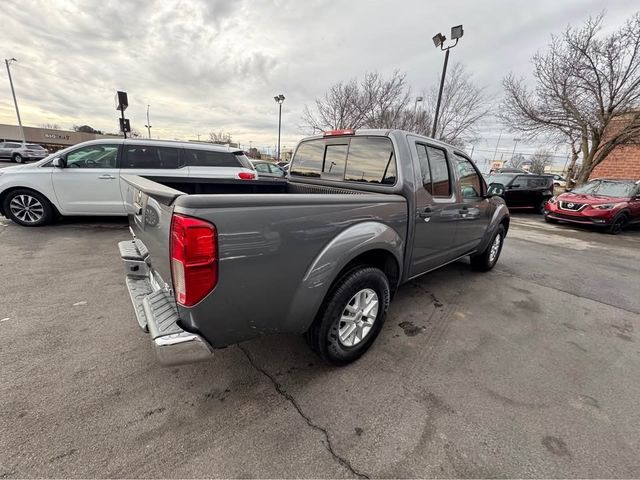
{"type": "Point", "coordinates": [360, 213]}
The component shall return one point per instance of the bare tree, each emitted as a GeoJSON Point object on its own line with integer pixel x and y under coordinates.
{"type": "Point", "coordinates": [517, 160]}
{"type": "Point", "coordinates": [378, 102]}
{"type": "Point", "coordinates": [587, 92]}
{"type": "Point", "coordinates": [463, 105]}
{"type": "Point", "coordinates": [220, 137]}
{"type": "Point", "coordinates": [539, 160]}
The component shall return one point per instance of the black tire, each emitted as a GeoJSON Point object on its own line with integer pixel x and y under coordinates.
{"type": "Point", "coordinates": [550, 220]}
{"type": "Point", "coordinates": [618, 224]}
{"type": "Point", "coordinates": [18, 158]}
{"type": "Point", "coordinates": [485, 261]}
{"type": "Point", "coordinates": [323, 335]}
{"type": "Point", "coordinates": [541, 206]}
{"type": "Point", "coordinates": [40, 216]}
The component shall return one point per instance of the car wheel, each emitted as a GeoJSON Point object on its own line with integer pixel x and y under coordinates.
{"type": "Point", "coordinates": [351, 316]}
{"type": "Point", "coordinates": [541, 206]}
{"type": "Point", "coordinates": [18, 158]}
{"type": "Point", "coordinates": [618, 224]}
{"type": "Point", "coordinates": [485, 261]}
{"type": "Point", "coordinates": [28, 208]}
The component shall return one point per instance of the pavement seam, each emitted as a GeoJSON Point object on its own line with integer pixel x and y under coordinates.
{"type": "Point", "coordinates": [282, 392]}
{"type": "Point", "coordinates": [509, 274]}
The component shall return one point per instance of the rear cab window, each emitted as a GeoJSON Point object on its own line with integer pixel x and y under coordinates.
{"type": "Point", "coordinates": [358, 159]}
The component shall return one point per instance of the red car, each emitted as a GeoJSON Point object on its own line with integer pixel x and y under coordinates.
{"type": "Point", "coordinates": [610, 204]}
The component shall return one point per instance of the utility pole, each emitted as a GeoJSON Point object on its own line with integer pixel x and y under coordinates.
{"type": "Point", "coordinates": [13, 92]}
{"type": "Point", "coordinates": [279, 100]}
{"type": "Point", "coordinates": [148, 125]}
{"type": "Point", "coordinates": [497, 143]}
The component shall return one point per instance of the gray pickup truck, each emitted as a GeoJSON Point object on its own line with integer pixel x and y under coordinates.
{"type": "Point", "coordinates": [360, 213]}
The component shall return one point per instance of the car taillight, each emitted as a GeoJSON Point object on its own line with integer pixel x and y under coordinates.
{"type": "Point", "coordinates": [246, 176]}
{"type": "Point", "coordinates": [194, 258]}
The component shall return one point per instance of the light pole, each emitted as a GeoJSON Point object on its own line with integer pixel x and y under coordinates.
{"type": "Point", "coordinates": [13, 92]}
{"type": "Point", "coordinates": [148, 125]}
{"type": "Point", "coordinates": [438, 41]}
{"type": "Point", "coordinates": [279, 100]}
{"type": "Point", "coordinates": [515, 144]}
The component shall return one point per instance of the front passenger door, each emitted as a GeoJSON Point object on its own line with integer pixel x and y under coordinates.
{"type": "Point", "coordinates": [88, 183]}
{"type": "Point", "coordinates": [474, 207]}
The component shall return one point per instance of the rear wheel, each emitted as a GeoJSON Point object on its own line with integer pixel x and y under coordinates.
{"type": "Point", "coordinates": [351, 316]}
{"type": "Point", "coordinates": [28, 208]}
{"type": "Point", "coordinates": [18, 158]}
{"type": "Point", "coordinates": [618, 224]}
{"type": "Point", "coordinates": [485, 261]}
{"type": "Point", "coordinates": [541, 206]}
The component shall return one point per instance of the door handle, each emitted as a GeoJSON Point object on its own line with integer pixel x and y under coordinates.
{"type": "Point", "coordinates": [425, 212]}
{"type": "Point", "coordinates": [106, 176]}
{"type": "Point", "coordinates": [464, 210]}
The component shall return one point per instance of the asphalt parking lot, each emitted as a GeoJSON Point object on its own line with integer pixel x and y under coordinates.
{"type": "Point", "coordinates": [530, 370]}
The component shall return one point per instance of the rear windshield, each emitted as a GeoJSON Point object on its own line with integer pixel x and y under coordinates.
{"type": "Point", "coordinates": [352, 159]}
{"type": "Point", "coordinates": [606, 188]}
{"type": "Point", "coordinates": [208, 158]}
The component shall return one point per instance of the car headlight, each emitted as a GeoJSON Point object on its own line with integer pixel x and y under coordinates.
{"type": "Point", "coordinates": [553, 199]}
{"type": "Point", "coordinates": [608, 206]}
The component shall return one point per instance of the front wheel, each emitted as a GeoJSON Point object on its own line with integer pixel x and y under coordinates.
{"type": "Point", "coordinates": [618, 224]}
{"type": "Point", "coordinates": [28, 208]}
{"type": "Point", "coordinates": [351, 316]}
{"type": "Point", "coordinates": [485, 261]}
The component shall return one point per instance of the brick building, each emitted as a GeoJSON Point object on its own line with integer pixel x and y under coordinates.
{"type": "Point", "coordinates": [623, 162]}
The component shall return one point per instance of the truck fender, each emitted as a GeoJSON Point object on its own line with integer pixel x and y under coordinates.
{"type": "Point", "coordinates": [499, 214]}
{"type": "Point", "coordinates": [324, 269]}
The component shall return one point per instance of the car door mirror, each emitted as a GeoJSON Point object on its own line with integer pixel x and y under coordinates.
{"type": "Point", "coordinates": [495, 190]}
{"type": "Point", "coordinates": [58, 162]}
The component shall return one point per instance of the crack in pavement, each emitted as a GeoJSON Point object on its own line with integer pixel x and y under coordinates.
{"type": "Point", "coordinates": [278, 387]}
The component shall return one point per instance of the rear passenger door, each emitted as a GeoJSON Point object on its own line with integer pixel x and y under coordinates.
{"type": "Point", "coordinates": [517, 192]}
{"type": "Point", "coordinates": [436, 210]}
{"type": "Point", "coordinates": [149, 161]}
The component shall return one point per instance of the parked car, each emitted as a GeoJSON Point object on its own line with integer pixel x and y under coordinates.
{"type": "Point", "coordinates": [268, 169]}
{"type": "Point", "coordinates": [360, 213]}
{"type": "Point", "coordinates": [85, 179]}
{"type": "Point", "coordinates": [604, 203]}
{"type": "Point", "coordinates": [559, 181]}
{"type": "Point", "coordinates": [525, 191]}
{"type": "Point", "coordinates": [21, 152]}
{"type": "Point", "coordinates": [509, 170]}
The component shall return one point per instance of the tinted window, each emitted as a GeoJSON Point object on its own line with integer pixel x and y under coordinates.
{"type": "Point", "coordinates": [424, 166]}
{"type": "Point", "coordinates": [470, 182]}
{"type": "Point", "coordinates": [141, 156]}
{"type": "Point", "coordinates": [308, 159]}
{"type": "Point", "coordinates": [371, 159]}
{"type": "Point", "coordinates": [207, 158]}
{"type": "Point", "coordinates": [538, 182]}
{"type": "Point", "coordinates": [440, 175]}
{"type": "Point", "coordinates": [262, 167]}
{"type": "Point", "coordinates": [335, 159]}
{"type": "Point", "coordinates": [93, 156]}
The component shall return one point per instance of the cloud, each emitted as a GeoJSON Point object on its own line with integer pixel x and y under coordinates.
{"type": "Point", "coordinates": [207, 65]}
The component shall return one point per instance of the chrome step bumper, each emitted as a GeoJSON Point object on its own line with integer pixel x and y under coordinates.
{"type": "Point", "coordinates": [156, 312]}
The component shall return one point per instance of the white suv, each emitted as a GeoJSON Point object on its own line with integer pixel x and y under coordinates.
{"type": "Point", "coordinates": [19, 152]}
{"type": "Point", "coordinates": [85, 179]}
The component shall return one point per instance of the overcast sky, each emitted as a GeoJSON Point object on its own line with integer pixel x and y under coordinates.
{"type": "Point", "coordinates": [216, 64]}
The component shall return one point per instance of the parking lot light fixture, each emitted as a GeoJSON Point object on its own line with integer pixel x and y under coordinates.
{"type": "Point", "coordinates": [8, 62]}
{"type": "Point", "coordinates": [438, 41]}
{"type": "Point", "coordinates": [279, 100]}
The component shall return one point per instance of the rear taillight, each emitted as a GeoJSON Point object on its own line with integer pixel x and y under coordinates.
{"type": "Point", "coordinates": [246, 176]}
{"type": "Point", "coordinates": [194, 258]}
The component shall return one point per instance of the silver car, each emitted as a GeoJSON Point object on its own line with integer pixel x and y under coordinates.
{"type": "Point", "coordinates": [20, 152]}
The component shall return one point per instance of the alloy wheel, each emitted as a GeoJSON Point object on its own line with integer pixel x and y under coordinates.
{"type": "Point", "coordinates": [495, 249]}
{"type": "Point", "coordinates": [358, 317]}
{"type": "Point", "coordinates": [26, 208]}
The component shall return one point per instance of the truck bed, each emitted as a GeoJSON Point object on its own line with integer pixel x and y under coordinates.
{"type": "Point", "coordinates": [270, 248]}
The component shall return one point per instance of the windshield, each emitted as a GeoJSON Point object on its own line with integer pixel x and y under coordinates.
{"type": "Point", "coordinates": [606, 188]}
{"type": "Point", "coordinates": [503, 179]}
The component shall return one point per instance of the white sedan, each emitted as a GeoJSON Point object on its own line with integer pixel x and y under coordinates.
{"type": "Point", "coordinates": [85, 179]}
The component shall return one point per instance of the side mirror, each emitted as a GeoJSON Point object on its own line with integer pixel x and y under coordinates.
{"type": "Point", "coordinates": [495, 190]}
{"type": "Point", "coordinates": [58, 162]}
